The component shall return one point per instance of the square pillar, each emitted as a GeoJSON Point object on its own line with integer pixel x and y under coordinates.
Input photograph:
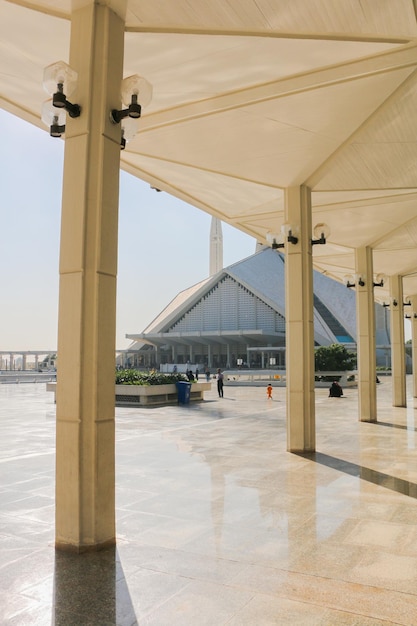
{"type": "Point", "coordinates": [85, 446]}
{"type": "Point", "coordinates": [299, 323]}
{"type": "Point", "coordinates": [397, 341]}
{"type": "Point", "coordinates": [414, 341]}
{"type": "Point", "coordinates": [366, 342]}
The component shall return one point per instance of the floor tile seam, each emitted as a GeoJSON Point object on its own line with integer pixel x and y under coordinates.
{"type": "Point", "coordinates": [21, 611]}
{"type": "Point", "coordinates": [287, 596]}
{"type": "Point", "coordinates": [364, 587]}
{"type": "Point", "coordinates": [23, 457]}
{"type": "Point", "coordinates": [21, 559]}
{"type": "Point", "coordinates": [185, 426]}
{"type": "Point", "coordinates": [156, 606]}
{"type": "Point", "coordinates": [400, 596]}
{"type": "Point", "coordinates": [325, 608]}
{"type": "Point", "coordinates": [197, 577]}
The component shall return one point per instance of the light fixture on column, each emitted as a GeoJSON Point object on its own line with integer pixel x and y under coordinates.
{"type": "Point", "coordinates": [276, 240]}
{"type": "Point", "coordinates": [407, 301]}
{"type": "Point", "coordinates": [379, 280]}
{"type": "Point", "coordinates": [394, 302]}
{"type": "Point", "coordinates": [351, 280]}
{"type": "Point", "coordinates": [53, 118]}
{"type": "Point", "coordinates": [321, 232]}
{"type": "Point", "coordinates": [290, 232]}
{"type": "Point", "coordinates": [136, 93]}
{"type": "Point", "coordinates": [129, 130]}
{"type": "Point", "coordinates": [59, 80]}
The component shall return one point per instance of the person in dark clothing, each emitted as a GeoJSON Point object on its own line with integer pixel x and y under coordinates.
{"type": "Point", "coordinates": [220, 383]}
{"type": "Point", "coordinates": [335, 390]}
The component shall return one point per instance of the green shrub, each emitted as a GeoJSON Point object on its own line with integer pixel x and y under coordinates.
{"type": "Point", "coordinates": [334, 358]}
{"type": "Point", "coordinates": [135, 377]}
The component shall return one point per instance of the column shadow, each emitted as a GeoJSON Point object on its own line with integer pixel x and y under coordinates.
{"type": "Point", "coordinates": [365, 473]}
{"type": "Point", "coordinates": [91, 588]}
{"type": "Point", "coordinates": [400, 426]}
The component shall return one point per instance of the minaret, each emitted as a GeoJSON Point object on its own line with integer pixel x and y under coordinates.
{"type": "Point", "coordinates": [216, 246]}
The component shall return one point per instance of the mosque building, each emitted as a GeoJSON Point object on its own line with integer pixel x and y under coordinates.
{"type": "Point", "coordinates": [236, 316]}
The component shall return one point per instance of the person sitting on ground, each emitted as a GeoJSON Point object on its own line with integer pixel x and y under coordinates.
{"type": "Point", "coordinates": [335, 390]}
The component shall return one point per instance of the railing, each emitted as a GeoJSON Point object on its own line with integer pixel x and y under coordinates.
{"type": "Point", "coordinates": [278, 378]}
{"type": "Point", "coordinates": [253, 377]}
{"type": "Point", "coordinates": [13, 378]}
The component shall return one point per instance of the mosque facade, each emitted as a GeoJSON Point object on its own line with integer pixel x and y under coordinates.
{"type": "Point", "coordinates": [236, 317]}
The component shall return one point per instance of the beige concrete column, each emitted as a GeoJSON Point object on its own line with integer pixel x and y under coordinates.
{"type": "Point", "coordinates": [414, 341]}
{"type": "Point", "coordinates": [397, 341]}
{"type": "Point", "coordinates": [366, 342]}
{"type": "Point", "coordinates": [85, 473]}
{"type": "Point", "coordinates": [299, 323]}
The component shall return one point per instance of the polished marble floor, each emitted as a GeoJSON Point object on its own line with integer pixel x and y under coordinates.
{"type": "Point", "coordinates": [216, 523]}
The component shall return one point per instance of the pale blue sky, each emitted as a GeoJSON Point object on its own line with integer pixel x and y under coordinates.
{"type": "Point", "coordinates": [163, 243]}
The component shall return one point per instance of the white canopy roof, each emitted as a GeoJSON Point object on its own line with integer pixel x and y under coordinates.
{"type": "Point", "coordinates": [253, 96]}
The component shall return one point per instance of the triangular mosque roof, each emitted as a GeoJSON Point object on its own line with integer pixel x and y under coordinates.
{"type": "Point", "coordinates": [263, 275]}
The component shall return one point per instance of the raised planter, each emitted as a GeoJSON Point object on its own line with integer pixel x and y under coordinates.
{"type": "Point", "coordinates": [147, 395]}
{"type": "Point", "coordinates": [150, 395]}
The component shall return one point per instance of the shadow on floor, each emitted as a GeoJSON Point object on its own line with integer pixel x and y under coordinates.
{"type": "Point", "coordinates": [372, 476]}
{"type": "Point", "coordinates": [91, 589]}
{"type": "Point", "coordinates": [400, 426]}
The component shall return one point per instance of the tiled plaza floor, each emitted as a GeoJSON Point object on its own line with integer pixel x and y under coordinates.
{"type": "Point", "coordinates": [217, 523]}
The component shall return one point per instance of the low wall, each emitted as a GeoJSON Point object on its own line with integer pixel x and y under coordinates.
{"type": "Point", "coordinates": [15, 378]}
{"type": "Point", "coordinates": [278, 378]}
{"type": "Point", "coordinates": [150, 395]}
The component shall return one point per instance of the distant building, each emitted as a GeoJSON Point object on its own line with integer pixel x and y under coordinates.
{"type": "Point", "coordinates": [237, 317]}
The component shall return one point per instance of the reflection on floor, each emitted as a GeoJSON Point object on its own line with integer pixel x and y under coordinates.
{"type": "Point", "coordinates": [217, 523]}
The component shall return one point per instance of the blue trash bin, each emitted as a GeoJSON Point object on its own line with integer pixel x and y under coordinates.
{"type": "Point", "coordinates": [184, 390]}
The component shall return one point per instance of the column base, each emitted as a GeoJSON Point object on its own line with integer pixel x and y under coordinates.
{"type": "Point", "coordinates": [80, 549]}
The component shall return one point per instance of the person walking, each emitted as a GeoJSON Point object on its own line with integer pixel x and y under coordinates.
{"type": "Point", "coordinates": [269, 391]}
{"type": "Point", "coordinates": [220, 378]}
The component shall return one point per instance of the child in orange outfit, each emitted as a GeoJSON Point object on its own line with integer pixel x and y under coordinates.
{"type": "Point", "coordinates": [269, 392]}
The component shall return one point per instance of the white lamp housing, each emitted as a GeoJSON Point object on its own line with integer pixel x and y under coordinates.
{"type": "Point", "coordinates": [53, 118]}
{"type": "Point", "coordinates": [59, 73]}
{"type": "Point", "coordinates": [136, 86]}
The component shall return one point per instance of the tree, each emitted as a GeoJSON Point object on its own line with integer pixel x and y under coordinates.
{"type": "Point", "coordinates": [334, 358]}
